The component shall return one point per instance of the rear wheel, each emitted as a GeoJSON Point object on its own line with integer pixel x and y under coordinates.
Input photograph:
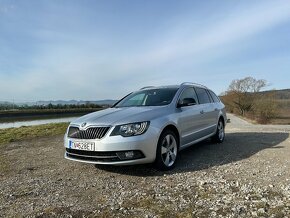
{"type": "Point", "coordinates": [220, 132]}
{"type": "Point", "coordinates": [167, 150]}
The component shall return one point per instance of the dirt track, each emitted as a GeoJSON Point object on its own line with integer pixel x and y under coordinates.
{"type": "Point", "coordinates": [246, 176]}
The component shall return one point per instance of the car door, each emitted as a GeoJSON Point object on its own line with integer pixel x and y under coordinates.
{"type": "Point", "coordinates": [208, 112]}
{"type": "Point", "coordinates": [189, 119]}
{"type": "Point", "coordinates": [216, 105]}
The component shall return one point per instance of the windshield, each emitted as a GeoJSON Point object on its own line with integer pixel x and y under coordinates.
{"type": "Point", "coordinates": [149, 97]}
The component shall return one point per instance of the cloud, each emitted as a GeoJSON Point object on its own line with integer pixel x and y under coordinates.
{"type": "Point", "coordinates": [6, 8]}
{"type": "Point", "coordinates": [81, 65]}
{"type": "Point", "coordinates": [237, 25]}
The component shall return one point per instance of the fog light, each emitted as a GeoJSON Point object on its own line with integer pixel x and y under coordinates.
{"type": "Point", "coordinates": [129, 155]}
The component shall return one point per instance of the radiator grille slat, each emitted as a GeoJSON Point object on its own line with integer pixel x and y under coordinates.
{"type": "Point", "coordinates": [90, 133]}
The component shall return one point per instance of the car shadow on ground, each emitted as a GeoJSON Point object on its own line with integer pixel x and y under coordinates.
{"type": "Point", "coordinates": [204, 155]}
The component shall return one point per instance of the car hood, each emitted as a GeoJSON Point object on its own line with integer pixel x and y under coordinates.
{"type": "Point", "coordinates": [117, 116]}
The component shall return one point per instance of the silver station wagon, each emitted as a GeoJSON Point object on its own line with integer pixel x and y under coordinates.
{"type": "Point", "coordinates": [151, 125]}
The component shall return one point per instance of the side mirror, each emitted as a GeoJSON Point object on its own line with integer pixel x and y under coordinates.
{"type": "Point", "coordinates": [186, 102]}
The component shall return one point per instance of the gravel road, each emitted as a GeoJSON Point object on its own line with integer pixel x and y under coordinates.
{"type": "Point", "coordinates": [246, 176]}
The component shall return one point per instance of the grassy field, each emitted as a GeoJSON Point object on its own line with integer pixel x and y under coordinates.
{"type": "Point", "coordinates": [283, 116]}
{"type": "Point", "coordinates": [283, 112]}
{"type": "Point", "coordinates": [7, 116]}
{"type": "Point", "coordinates": [43, 112]}
{"type": "Point", "coordinates": [36, 118]}
{"type": "Point", "coordinates": [29, 132]}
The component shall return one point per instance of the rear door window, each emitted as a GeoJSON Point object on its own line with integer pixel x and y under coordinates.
{"type": "Point", "coordinates": [202, 95]}
{"type": "Point", "coordinates": [214, 96]}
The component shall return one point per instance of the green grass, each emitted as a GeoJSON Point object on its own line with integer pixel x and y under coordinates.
{"type": "Point", "coordinates": [30, 132]}
{"type": "Point", "coordinates": [16, 111]}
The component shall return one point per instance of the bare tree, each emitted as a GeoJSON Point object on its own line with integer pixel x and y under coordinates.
{"type": "Point", "coordinates": [248, 84]}
{"type": "Point", "coordinates": [242, 92]}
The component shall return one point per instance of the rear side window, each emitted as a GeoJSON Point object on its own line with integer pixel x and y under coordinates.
{"type": "Point", "coordinates": [202, 95]}
{"type": "Point", "coordinates": [214, 96]}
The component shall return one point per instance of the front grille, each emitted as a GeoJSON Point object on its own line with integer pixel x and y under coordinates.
{"type": "Point", "coordinates": [90, 133]}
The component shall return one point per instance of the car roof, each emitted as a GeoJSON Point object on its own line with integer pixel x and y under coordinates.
{"type": "Point", "coordinates": [161, 87]}
{"type": "Point", "coordinates": [184, 84]}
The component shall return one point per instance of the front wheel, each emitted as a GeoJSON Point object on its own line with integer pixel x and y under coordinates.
{"type": "Point", "coordinates": [220, 132]}
{"type": "Point", "coordinates": [167, 150]}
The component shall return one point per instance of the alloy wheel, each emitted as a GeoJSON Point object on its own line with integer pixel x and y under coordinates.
{"type": "Point", "coordinates": [168, 150]}
{"type": "Point", "coordinates": [221, 130]}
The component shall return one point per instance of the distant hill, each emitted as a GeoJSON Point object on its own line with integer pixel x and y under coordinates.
{"type": "Point", "coordinates": [5, 102]}
{"type": "Point", "coordinates": [283, 94]}
{"type": "Point", "coordinates": [62, 102]}
{"type": "Point", "coordinates": [279, 94]}
{"type": "Point", "coordinates": [99, 102]}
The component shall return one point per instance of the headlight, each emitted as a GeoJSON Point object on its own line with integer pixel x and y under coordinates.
{"type": "Point", "coordinates": [131, 129]}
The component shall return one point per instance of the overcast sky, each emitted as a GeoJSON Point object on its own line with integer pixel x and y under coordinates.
{"type": "Point", "coordinates": [90, 50]}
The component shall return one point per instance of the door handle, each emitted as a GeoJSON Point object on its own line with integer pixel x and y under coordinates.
{"type": "Point", "coordinates": [216, 109]}
{"type": "Point", "coordinates": [202, 112]}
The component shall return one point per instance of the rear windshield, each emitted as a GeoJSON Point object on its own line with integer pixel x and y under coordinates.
{"type": "Point", "coordinates": [149, 97]}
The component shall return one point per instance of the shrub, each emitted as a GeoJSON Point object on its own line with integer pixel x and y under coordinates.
{"type": "Point", "coordinates": [265, 109]}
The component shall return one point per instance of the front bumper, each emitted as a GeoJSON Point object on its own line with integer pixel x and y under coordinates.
{"type": "Point", "coordinates": [111, 150]}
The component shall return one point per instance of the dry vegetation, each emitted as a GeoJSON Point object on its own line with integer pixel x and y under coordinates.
{"type": "Point", "coordinates": [244, 98]}
{"type": "Point", "coordinates": [283, 112]}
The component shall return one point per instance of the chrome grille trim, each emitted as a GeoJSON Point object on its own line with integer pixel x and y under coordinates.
{"type": "Point", "coordinates": [89, 133]}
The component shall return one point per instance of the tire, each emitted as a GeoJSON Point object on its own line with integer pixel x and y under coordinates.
{"type": "Point", "coordinates": [167, 151]}
{"type": "Point", "coordinates": [220, 132]}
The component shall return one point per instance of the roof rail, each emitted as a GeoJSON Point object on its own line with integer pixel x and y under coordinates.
{"type": "Point", "coordinates": [146, 87]}
{"type": "Point", "coordinates": [190, 83]}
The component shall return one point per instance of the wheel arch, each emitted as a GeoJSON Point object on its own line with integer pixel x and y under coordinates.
{"type": "Point", "coordinates": [173, 129]}
{"type": "Point", "coordinates": [221, 117]}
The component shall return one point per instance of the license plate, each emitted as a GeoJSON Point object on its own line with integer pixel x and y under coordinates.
{"type": "Point", "coordinates": [87, 146]}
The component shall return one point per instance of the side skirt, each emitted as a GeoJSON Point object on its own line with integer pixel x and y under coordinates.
{"type": "Point", "coordinates": [196, 141]}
